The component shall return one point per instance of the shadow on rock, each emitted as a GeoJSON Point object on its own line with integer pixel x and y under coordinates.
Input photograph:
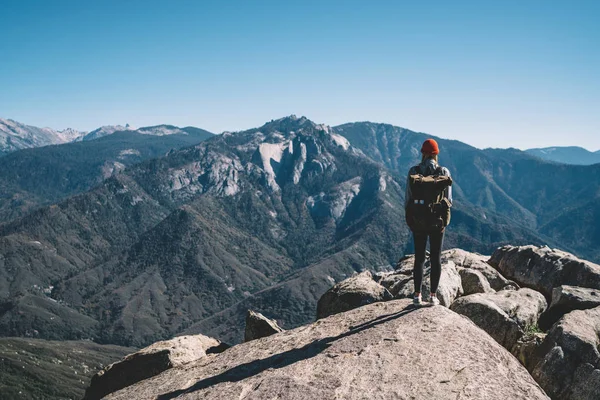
{"type": "Point", "coordinates": [284, 359]}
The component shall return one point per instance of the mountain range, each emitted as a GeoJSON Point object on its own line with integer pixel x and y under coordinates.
{"type": "Point", "coordinates": [185, 240]}
{"type": "Point", "coordinates": [567, 155]}
{"type": "Point", "coordinates": [17, 136]}
{"type": "Point", "coordinates": [38, 176]}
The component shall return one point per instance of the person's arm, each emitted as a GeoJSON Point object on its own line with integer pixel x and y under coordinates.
{"type": "Point", "coordinates": [448, 190]}
{"type": "Point", "coordinates": [408, 194]}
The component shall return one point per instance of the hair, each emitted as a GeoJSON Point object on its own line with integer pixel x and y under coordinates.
{"type": "Point", "coordinates": [427, 156]}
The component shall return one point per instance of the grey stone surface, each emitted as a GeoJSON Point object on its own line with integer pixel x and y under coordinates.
{"type": "Point", "coordinates": [259, 326]}
{"type": "Point", "coordinates": [479, 263]}
{"type": "Point", "coordinates": [566, 299]}
{"type": "Point", "coordinates": [151, 361]}
{"type": "Point", "coordinates": [505, 315]}
{"type": "Point", "coordinates": [567, 363]}
{"type": "Point", "coordinates": [473, 281]}
{"type": "Point", "coordinates": [543, 268]}
{"type": "Point", "coordinates": [353, 292]}
{"type": "Point", "coordinates": [386, 350]}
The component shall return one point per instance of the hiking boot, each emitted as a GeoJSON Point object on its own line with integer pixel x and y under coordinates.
{"type": "Point", "coordinates": [433, 300]}
{"type": "Point", "coordinates": [417, 300]}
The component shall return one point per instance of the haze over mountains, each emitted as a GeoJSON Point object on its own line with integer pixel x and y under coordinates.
{"type": "Point", "coordinates": [567, 155]}
{"type": "Point", "coordinates": [17, 136]}
{"type": "Point", "coordinates": [38, 176]}
{"type": "Point", "coordinates": [137, 248]}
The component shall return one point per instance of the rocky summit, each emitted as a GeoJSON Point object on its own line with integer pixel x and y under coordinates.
{"type": "Point", "coordinates": [370, 341]}
{"type": "Point", "coordinates": [379, 351]}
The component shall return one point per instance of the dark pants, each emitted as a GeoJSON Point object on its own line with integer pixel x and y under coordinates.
{"type": "Point", "coordinates": [436, 240]}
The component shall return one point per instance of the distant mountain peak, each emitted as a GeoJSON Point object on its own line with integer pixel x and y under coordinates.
{"type": "Point", "coordinates": [566, 155]}
{"type": "Point", "coordinates": [71, 135]}
{"type": "Point", "coordinates": [16, 136]}
{"type": "Point", "coordinates": [287, 124]}
{"type": "Point", "coordinates": [161, 130]}
{"type": "Point", "coordinates": [106, 130]}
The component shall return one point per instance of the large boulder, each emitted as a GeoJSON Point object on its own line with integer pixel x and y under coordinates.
{"type": "Point", "coordinates": [151, 361]}
{"type": "Point", "coordinates": [356, 291]}
{"type": "Point", "coordinates": [543, 268]}
{"type": "Point", "coordinates": [386, 350]}
{"type": "Point", "coordinates": [473, 281]}
{"type": "Point", "coordinates": [478, 262]}
{"type": "Point", "coordinates": [566, 299]}
{"type": "Point", "coordinates": [400, 283]}
{"type": "Point", "coordinates": [505, 315]}
{"type": "Point", "coordinates": [450, 284]}
{"type": "Point", "coordinates": [259, 326]}
{"type": "Point", "coordinates": [568, 362]}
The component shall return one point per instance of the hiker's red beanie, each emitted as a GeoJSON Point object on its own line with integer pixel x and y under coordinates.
{"type": "Point", "coordinates": [430, 146]}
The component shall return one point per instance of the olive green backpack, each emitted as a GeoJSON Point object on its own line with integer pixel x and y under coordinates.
{"type": "Point", "coordinates": [428, 210]}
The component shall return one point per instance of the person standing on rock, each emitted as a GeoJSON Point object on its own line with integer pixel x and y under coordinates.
{"type": "Point", "coordinates": [427, 206]}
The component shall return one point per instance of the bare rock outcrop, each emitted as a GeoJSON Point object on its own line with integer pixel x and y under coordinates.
{"type": "Point", "coordinates": [543, 268]}
{"type": "Point", "coordinates": [259, 326]}
{"type": "Point", "coordinates": [478, 262]}
{"type": "Point", "coordinates": [379, 351]}
{"type": "Point", "coordinates": [568, 361]}
{"type": "Point", "coordinates": [566, 299]}
{"type": "Point", "coordinates": [356, 291]}
{"type": "Point", "coordinates": [450, 285]}
{"type": "Point", "coordinates": [505, 315]}
{"type": "Point", "coordinates": [473, 281]}
{"type": "Point", "coordinates": [151, 361]}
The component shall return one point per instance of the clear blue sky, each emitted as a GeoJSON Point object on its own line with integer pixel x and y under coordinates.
{"type": "Point", "coordinates": [490, 73]}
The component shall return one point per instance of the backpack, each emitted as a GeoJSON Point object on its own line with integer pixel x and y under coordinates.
{"type": "Point", "coordinates": [428, 210]}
